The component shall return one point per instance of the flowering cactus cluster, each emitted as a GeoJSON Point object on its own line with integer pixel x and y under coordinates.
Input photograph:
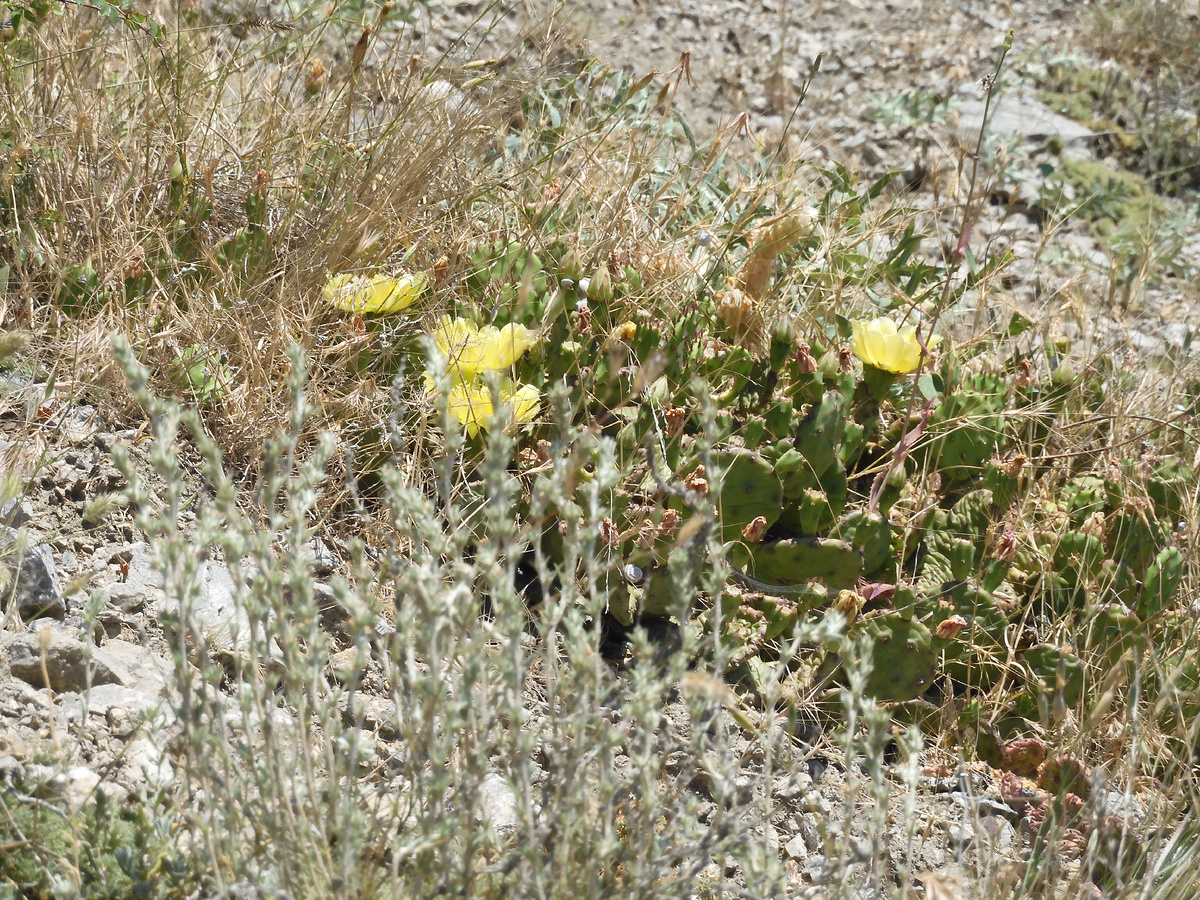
{"type": "Point", "coordinates": [870, 470]}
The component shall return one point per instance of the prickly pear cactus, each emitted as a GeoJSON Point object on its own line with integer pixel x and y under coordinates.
{"type": "Point", "coordinates": [1161, 582]}
{"type": "Point", "coordinates": [909, 484]}
{"type": "Point", "coordinates": [870, 534]}
{"type": "Point", "coordinates": [1056, 675]}
{"type": "Point", "coordinates": [969, 426]}
{"type": "Point", "coordinates": [748, 489]}
{"type": "Point", "coordinates": [903, 661]}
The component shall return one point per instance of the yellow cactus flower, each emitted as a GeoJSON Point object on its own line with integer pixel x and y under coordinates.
{"type": "Point", "coordinates": [470, 402]}
{"type": "Point", "coordinates": [374, 294]}
{"type": "Point", "coordinates": [469, 350]}
{"type": "Point", "coordinates": [881, 344]}
{"type": "Point", "coordinates": [626, 332]}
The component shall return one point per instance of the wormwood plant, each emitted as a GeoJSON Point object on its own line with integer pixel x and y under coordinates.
{"type": "Point", "coordinates": [285, 788]}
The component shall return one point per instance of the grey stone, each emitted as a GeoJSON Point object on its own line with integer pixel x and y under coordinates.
{"type": "Point", "coordinates": [124, 709]}
{"type": "Point", "coordinates": [34, 582]}
{"type": "Point", "coordinates": [498, 804]}
{"type": "Point", "coordinates": [811, 831]}
{"type": "Point", "coordinates": [79, 424]}
{"type": "Point", "coordinates": [999, 832]}
{"type": "Point", "coordinates": [15, 512]}
{"type": "Point", "coordinates": [815, 870]}
{"type": "Point", "coordinates": [70, 664]}
{"type": "Point", "coordinates": [1179, 334]}
{"type": "Point", "coordinates": [376, 713]}
{"type": "Point", "coordinates": [796, 848]}
{"type": "Point", "coordinates": [1018, 114]}
{"type": "Point", "coordinates": [146, 763]}
{"type": "Point", "coordinates": [989, 807]}
{"type": "Point", "coordinates": [324, 559]}
{"type": "Point", "coordinates": [1127, 807]}
{"type": "Point", "coordinates": [143, 582]}
{"type": "Point", "coordinates": [81, 783]}
{"type": "Point", "coordinates": [215, 614]}
{"type": "Point", "coordinates": [961, 835]}
{"type": "Point", "coordinates": [45, 782]}
{"type": "Point", "coordinates": [789, 787]}
{"type": "Point", "coordinates": [146, 671]}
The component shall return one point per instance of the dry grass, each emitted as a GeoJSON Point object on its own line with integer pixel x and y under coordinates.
{"type": "Point", "coordinates": [127, 162]}
{"type": "Point", "coordinates": [360, 167]}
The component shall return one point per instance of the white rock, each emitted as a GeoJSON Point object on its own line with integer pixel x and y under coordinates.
{"type": "Point", "coordinates": [796, 848]}
{"type": "Point", "coordinates": [147, 672]}
{"type": "Point", "coordinates": [1017, 113]}
{"type": "Point", "coordinates": [81, 782]}
{"type": "Point", "coordinates": [146, 761]}
{"type": "Point", "coordinates": [69, 664]}
{"type": "Point", "coordinates": [498, 804]}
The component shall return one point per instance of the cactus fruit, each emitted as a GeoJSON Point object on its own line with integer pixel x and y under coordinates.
{"type": "Point", "coordinates": [794, 562]}
{"type": "Point", "coordinates": [1024, 756]}
{"type": "Point", "coordinates": [1055, 672]}
{"type": "Point", "coordinates": [903, 662]}
{"type": "Point", "coordinates": [748, 488]}
{"type": "Point", "coordinates": [1064, 774]}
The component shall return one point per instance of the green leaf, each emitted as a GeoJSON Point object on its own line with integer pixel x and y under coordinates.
{"type": "Point", "coordinates": [1018, 324]}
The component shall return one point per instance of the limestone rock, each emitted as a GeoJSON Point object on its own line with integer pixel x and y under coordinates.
{"type": "Point", "coordinates": [70, 665]}
{"type": "Point", "coordinates": [29, 573]}
{"type": "Point", "coordinates": [498, 805]}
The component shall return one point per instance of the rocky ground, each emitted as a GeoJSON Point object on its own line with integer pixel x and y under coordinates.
{"type": "Point", "coordinates": [86, 693]}
{"type": "Point", "coordinates": [753, 59]}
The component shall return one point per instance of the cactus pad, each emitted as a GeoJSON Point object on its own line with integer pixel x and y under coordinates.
{"type": "Point", "coordinates": [835, 563]}
{"type": "Point", "coordinates": [903, 661]}
{"type": "Point", "coordinates": [748, 488]}
{"type": "Point", "coordinates": [1055, 672]}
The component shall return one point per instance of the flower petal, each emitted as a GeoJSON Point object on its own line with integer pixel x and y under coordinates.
{"type": "Point", "coordinates": [470, 403]}
{"type": "Point", "coordinates": [524, 402]}
{"type": "Point", "coordinates": [347, 292]}
{"type": "Point", "coordinates": [376, 294]}
{"type": "Point", "coordinates": [462, 345]}
{"type": "Point", "coordinates": [390, 295]}
{"type": "Point", "coordinates": [506, 345]}
{"type": "Point", "coordinates": [881, 344]}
